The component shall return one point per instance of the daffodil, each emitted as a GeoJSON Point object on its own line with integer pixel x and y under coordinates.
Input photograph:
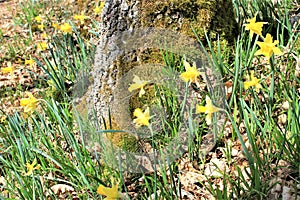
{"type": "Point", "coordinates": [98, 9]}
{"type": "Point", "coordinates": [138, 84]}
{"type": "Point", "coordinates": [44, 35]}
{"type": "Point", "coordinates": [38, 19]}
{"type": "Point", "coordinates": [268, 47]}
{"type": "Point", "coordinates": [208, 109]}
{"type": "Point", "coordinates": [55, 25]}
{"type": "Point", "coordinates": [66, 28]}
{"type": "Point", "coordinates": [41, 27]}
{"type": "Point", "coordinates": [142, 118]}
{"type": "Point", "coordinates": [80, 17]}
{"type": "Point", "coordinates": [254, 27]}
{"type": "Point", "coordinates": [31, 167]}
{"type": "Point", "coordinates": [8, 69]}
{"type": "Point", "coordinates": [110, 193]}
{"type": "Point", "coordinates": [29, 103]}
{"type": "Point", "coordinates": [3, 119]}
{"type": "Point", "coordinates": [29, 62]}
{"type": "Point", "coordinates": [190, 74]}
{"type": "Point", "coordinates": [42, 46]}
{"type": "Point", "coordinates": [253, 81]}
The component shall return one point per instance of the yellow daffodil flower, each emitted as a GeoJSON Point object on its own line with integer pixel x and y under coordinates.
{"type": "Point", "coordinates": [41, 27]}
{"type": "Point", "coordinates": [138, 84]}
{"type": "Point", "coordinates": [98, 9]}
{"type": "Point", "coordinates": [44, 35]}
{"type": "Point", "coordinates": [38, 19]}
{"type": "Point", "coordinates": [29, 103]}
{"type": "Point", "coordinates": [55, 25]}
{"type": "Point", "coordinates": [66, 28]}
{"type": "Point", "coordinates": [268, 47]}
{"type": "Point", "coordinates": [190, 74]}
{"type": "Point", "coordinates": [254, 27]}
{"type": "Point", "coordinates": [80, 17]}
{"type": "Point", "coordinates": [3, 119]}
{"type": "Point", "coordinates": [110, 193]}
{"type": "Point", "coordinates": [253, 81]}
{"type": "Point", "coordinates": [29, 62]}
{"type": "Point", "coordinates": [42, 46]}
{"type": "Point", "coordinates": [208, 109]}
{"type": "Point", "coordinates": [31, 167]}
{"type": "Point", "coordinates": [142, 118]}
{"type": "Point", "coordinates": [8, 69]}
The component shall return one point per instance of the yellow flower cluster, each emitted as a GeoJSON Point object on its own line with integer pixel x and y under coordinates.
{"type": "Point", "coordinates": [190, 75]}
{"type": "Point", "coordinates": [65, 28]}
{"type": "Point", "coordinates": [267, 48]}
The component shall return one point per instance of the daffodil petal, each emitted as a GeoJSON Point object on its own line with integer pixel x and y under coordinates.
{"type": "Point", "coordinates": [24, 101]}
{"type": "Point", "coordinates": [247, 84]}
{"type": "Point", "coordinates": [258, 52]}
{"type": "Point", "coordinates": [277, 51]}
{"type": "Point", "coordinates": [200, 109]}
{"type": "Point", "coordinates": [186, 65]}
{"type": "Point", "coordinates": [110, 193]}
{"type": "Point", "coordinates": [137, 112]}
{"type": "Point", "coordinates": [208, 118]}
{"type": "Point", "coordinates": [142, 92]}
{"type": "Point", "coordinates": [134, 86]}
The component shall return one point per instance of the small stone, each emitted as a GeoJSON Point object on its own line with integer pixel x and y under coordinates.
{"type": "Point", "coordinates": [234, 152]}
{"type": "Point", "coordinates": [215, 168]}
{"type": "Point", "coordinates": [159, 16]}
{"type": "Point", "coordinates": [277, 187]}
{"type": "Point", "coordinates": [124, 7]}
{"type": "Point", "coordinates": [241, 154]}
{"type": "Point", "coordinates": [286, 193]}
{"type": "Point", "coordinates": [153, 196]}
{"type": "Point", "coordinates": [285, 105]}
{"type": "Point", "coordinates": [245, 175]}
{"type": "Point", "coordinates": [248, 145]}
{"type": "Point", "coordinates": [282, 119]}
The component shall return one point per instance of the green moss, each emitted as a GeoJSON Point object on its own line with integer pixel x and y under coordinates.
{"type": "Point", "coordinates": [121, 139]}
{"type": "Point", "coordinates": [211, 16]}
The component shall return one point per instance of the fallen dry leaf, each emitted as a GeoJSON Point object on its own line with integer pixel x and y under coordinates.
{"type": "Point", "coordinates": [63, 191]}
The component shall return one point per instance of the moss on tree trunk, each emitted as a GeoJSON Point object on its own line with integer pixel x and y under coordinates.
{"type": "Point", "coordinates": [216, 17]}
